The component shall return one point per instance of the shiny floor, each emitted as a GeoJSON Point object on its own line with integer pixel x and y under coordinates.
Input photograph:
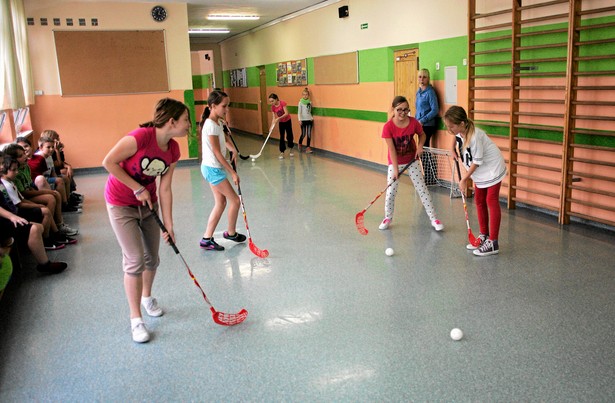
{"type": "Point", "coordinates": [331, 317]}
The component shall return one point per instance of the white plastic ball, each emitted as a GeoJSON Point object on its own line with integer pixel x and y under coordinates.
{"type": "Point", "coordinates": [456, 334]}
{"type": "Point", "coordinates": [389, 252]}
{"type": "Point", "coordinates": [253, 159]}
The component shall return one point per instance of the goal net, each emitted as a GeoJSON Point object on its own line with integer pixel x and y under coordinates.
{"type": "Point", "coordinates": [439, 170]}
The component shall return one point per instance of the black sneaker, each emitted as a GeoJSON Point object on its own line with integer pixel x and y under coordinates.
{"type": "Point", "coordinates": [62, 239]}
{"type": "Point", "coordinates": [488, 247]}
{"type": "Point", "coordinates": [51, 267]}
{"type": "Point", "coordinates": [210, 244]}
{"type": "Point", "coordinates": [70, 209]}
{"type": "Point", "coordinates": [237, 237]}
{"type": "Point", "coordinates": [52, 245]}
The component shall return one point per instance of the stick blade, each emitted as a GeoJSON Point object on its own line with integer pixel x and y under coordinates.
{"type": "Point", "coordinates": [244, 157]}
{"type": "Point", "coordinates": [472, 239]}
{"type": "Point", "coordinates": [229, 319]}
{"type": "Point", "coordinates": [360, 223]}
{"type": "Point", "coordinates": [262, 253]}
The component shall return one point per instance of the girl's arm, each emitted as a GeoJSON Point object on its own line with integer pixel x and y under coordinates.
{"type": "Point", "coordinates": [420, 142]}
{"type": "Point", "coordinates": [215, 147]}
{"type": "Point", "coordinates": [463, 183]}
{"type": "Point", "coordinates": [125, 148]}
{"type": "Point", "coordinates": [166, 202]}
{"type": "Point", "coordinates": [393, 154]}
{"type": "Point", "coordinates": [285, 113]}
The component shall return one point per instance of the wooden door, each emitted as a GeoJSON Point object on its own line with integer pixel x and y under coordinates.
{"type": "Point", "coordinates": [406, 69]}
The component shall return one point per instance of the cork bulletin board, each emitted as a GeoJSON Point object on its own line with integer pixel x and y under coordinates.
{"type": "Point", "coordinates": [111, 62]}
{"type": "Point", "coordinates": [337, 69]}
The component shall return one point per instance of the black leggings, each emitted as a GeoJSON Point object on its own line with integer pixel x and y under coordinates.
{"type": "Point", "coordinates": [306, 130]}
{"type": "Point", "coordinates": [286, 127]}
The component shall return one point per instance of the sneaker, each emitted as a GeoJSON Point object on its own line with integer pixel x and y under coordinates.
{"type": "Point", "coordinates": [291, 153]}
{"type": "Point", "coordinates": [52, 245]}
{"type": "Point", "coordinates": [308, 150]}
{"type": "Point", "coordinates": [139, 332]}
{"type": "Point", "coordinates": [281, 156]}
{"type": "Point", "coordinates": [62, 239]}
{"type": "Point", "coordinates": [481, 238]}
{"type": "Point", "coordinates": [237, 237]}
{"type": "Point", "coordinates": [488, 247]}
{"type": "Point", "coordinates": [151, 307]}
{"type": "Point", "coordinates": [74, 200]}
{"type": "Point", "coordinates": [77, 196]}
{"type": "Point", "coordinates": [71, 209]}
{"type": "Point", "coordinates": [51, 267]}
{"type": "Point", "coordinates": [66, 230]}
{"type": "Point", "coordinates": [385, 223]}
{"type": "Point", "coordinates": [438, 226]}
{"type": "Point", "coordinates": [210, 244]}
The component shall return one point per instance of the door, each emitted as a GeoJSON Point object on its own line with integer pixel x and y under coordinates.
{"type": "Point", "coordinates": [264, 106]}
{"type": "Point", "coordinates": [406, 69]}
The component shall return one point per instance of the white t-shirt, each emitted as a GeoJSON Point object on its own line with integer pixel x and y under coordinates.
{"type": "Point", "coordinates": [210, 128]}
{"type": "Point", "coordinates": [486, 154]}
{"type": "Point", "coordinates": [12, 191]}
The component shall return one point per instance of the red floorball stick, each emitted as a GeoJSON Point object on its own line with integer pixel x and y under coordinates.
{"type": "Point", "coordinates": [221, 318]}
{"type": "Point", "coordinates": [471, 238]}
{"type": "Point", "coordinates": [262, 253]}
{"type": "Point", "coordinates": [360, 219]}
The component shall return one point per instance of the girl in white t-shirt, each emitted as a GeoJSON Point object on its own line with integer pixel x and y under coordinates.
{"type": "Point", "coordinates": [215, 167]}
{"type": "Point", "coordinates": [486, 166]}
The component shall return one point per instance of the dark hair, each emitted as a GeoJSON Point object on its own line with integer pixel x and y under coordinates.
{"type": "Point", "coordinates": [7, 161]}
{"type": "Point", "coordinates": [22, 139]}
{"type": "Point", "coordinates": [399, 100]}
{"type": "Point", "coordinates": [215, 98]}
{"type": "Point", "coordinates": [166, 109]}
{"type": "Point", "coordinates": [12, 148]}
{"type": "Point", "coordinates": [457, 115]}
{"type": "Point", "coordinates": [273, 96]}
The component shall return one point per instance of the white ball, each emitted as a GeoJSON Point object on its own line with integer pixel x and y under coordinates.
{"type": "Point", "coordinates": [389, 252]}
{"type": "Point", "coordinates": [253, 159]}
{"type": "Point", "coordinates": [456, 334]}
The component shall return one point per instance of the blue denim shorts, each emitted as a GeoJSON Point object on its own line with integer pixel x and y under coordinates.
{"type": "Point", "coordinates": [213, 175]}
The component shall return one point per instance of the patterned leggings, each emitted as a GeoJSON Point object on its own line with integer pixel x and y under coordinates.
{"type": "Point", "coordinates": [416, 174]}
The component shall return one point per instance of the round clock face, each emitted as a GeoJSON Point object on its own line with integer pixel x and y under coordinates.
{"type": "Point", "coordinates": [159, 13]}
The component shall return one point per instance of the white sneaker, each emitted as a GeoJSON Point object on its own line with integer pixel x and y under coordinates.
{"type": "Point", "coordinates": [66, 230]}
{"type": "Point", "coordinates": [139, 332]}
{"type": "Point", "coordinates": [385, 223]}
{"type": "Point", "coordinates": [281, 156]}
{"type": "Point", "coordinates": [152, 307]}
{"type": "Point", "coordinates": [291, 153]}
{"type": "Point", "coordinates": [438, 226]}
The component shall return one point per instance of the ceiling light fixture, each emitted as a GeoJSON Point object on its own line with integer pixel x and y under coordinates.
{"type": "Point", "coordinates": [232, 17]}
{"type": "Point", "coordinates": [208, 31]}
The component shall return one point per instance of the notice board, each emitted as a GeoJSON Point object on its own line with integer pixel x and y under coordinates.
{"type": "Point", "coordinates": [337, 69]}
{"type": "Point", "coordinates": [111, 62]}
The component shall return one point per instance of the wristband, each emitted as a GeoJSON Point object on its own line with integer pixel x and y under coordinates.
{"type": "Point", "coordinates": [139, 191]}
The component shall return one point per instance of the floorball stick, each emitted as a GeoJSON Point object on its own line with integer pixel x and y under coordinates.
{"type": "Point", "coordinates": [255, 156]}
{"type": "Point", "coordinates": [262, 253]}
{"type": "Point", "coordinates": [359, 218]}
{"type": "Point", "coordinates": [243, 157]}
{"type": "Point", "coordinates": [471, 238]}
{"type": "Point", "coordinates": [221, 318]}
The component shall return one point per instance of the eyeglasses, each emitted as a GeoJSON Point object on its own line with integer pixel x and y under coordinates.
{"type": "Point", "coordinates": [404, 110]}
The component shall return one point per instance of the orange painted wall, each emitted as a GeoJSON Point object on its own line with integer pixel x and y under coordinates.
{"type": "Point", "coordinates": [90, 126]}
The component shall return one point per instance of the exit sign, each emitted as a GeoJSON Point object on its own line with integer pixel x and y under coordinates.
{"type": "Point", "coordinates": [364, 25]}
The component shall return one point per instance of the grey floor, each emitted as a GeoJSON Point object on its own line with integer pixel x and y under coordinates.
{"type": "Point", "coordinates": [331, 318]}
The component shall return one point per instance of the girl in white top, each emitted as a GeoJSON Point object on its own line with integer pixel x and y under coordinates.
{"type": "Point", "coordinates": [486, 166]}
{"type": "Point", "coordinates": [215, 167]}
{"type": "Point", "coordinates": [306, 120]}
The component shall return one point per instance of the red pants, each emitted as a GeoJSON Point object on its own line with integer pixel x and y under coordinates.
{"type": "Point", "coordinates": [488, 208]}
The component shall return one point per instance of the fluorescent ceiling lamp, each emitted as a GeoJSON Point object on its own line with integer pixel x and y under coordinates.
{"type": "Point", "coordinates": [232, 17]}
{"type": "Point", "coordinates": [208, 31]}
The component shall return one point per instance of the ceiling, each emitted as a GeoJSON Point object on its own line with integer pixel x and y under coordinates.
{"type": "Point", "coordinates": [268, 10]}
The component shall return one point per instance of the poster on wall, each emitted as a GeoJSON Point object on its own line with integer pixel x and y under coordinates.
{"type": "Point", "coordinates": [293, 72]}
{"type": "Point", "coordinates": [239, 78]}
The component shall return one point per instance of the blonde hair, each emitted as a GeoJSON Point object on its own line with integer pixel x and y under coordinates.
{"type": "Point", "coordinates": [425, 73]}
{"type": "Point", "coordinates": [457, 115]}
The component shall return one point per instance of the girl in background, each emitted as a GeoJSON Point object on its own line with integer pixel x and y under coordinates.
{"type": "Point", "coordinates": [215, 167]}
{"type": "Point", "coordinates": [399, 134]}
{"type": "Point", "coordinates": [306, 120]}
{"type": "Point", "coordinates": [280, 114]}
{"type": "Point", "coordinates": [134, 163]}
{"type": "Point", "coordinates": [426, 113]}
{"type": "Point", "coordinates": [486, 166]}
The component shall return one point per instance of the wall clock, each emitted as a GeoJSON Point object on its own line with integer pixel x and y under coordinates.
{"type": "Point", "coordinates": [159, 13]}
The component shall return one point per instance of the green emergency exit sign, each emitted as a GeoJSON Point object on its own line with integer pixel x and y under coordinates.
{"type": "Point", "coordinates": [364, 25]}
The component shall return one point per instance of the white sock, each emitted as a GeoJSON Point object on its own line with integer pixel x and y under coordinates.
{"type": "Point", "coordinates": [145, 300]}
